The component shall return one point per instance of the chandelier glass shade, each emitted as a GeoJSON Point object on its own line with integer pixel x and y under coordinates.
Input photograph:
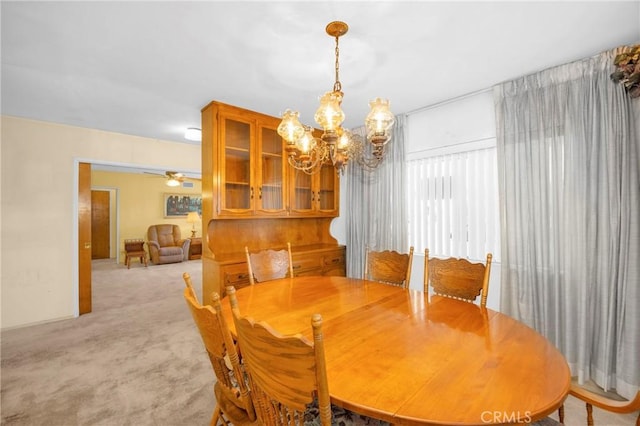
{"type": "Point", "coordinates": [308, 152]}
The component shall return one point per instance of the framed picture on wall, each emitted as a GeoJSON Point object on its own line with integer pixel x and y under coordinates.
{"type": "Point", "coordinates": [179, 205]}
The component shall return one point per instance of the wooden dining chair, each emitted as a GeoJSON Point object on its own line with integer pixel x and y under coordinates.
{"type": "Point", "coordinates": [269, 264]}
{"type": "Point", "coordinates": [457, 278]}
{"type": "Point", "coordinates": [601, 401]}
{"type": "Point", "coordinates": [388, 266]}
{"type": "Point", "coordinates": [233, 400]}
{"type": "Point", "coordinates": [287, 374]}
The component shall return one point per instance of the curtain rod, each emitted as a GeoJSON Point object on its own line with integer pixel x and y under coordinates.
{"type": "Point", "coordinates": [447, 101]}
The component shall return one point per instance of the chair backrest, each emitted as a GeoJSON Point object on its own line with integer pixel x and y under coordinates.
{"type": "Point", "coordinates": [166, 234]}
{"type": "Point", "coordinates": [220, 348]}
{"type": "Point", "coordinates": [285, 372]}
{"type": "Point", "coordinates": [269, 265]}
{"type": "Point", "coordinates": [388, 267]}
{"type": "Point", "coordinates": [457, 278]}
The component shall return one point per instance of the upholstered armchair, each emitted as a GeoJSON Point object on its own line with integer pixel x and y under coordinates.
{"type": "Point", "coordinates": [166, 244]}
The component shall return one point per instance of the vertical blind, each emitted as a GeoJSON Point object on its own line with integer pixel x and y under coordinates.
{"type": "Point", "coordinates": [453, 204]}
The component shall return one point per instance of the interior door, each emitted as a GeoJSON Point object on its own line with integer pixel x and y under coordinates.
{"type": "Point", "coordinates": [84, 238]}
{"type": "Point", "coordinates": [100, 225]}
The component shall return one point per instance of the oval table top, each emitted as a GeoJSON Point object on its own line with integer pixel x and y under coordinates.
{"type": "Point", "coordinates": [410, 358]}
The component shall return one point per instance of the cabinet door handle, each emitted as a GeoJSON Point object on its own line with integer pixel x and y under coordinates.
{"type": "Point", "coordinates": [251, 196]}
{"type": "Point", "coordinates": [297, 266]}
{"type": "Point", "coordinates": [313, 196]}
{"type": "Point", "coordinates": [260, 193]}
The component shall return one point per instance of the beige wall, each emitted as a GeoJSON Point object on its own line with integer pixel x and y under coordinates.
{"type": "Point", "coordinates": [141, 203]}
{"type": "Point", "coordinates": [38, 272]}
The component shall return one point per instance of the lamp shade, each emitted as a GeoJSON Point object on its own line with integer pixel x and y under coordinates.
{"type": "Point", "coordinates": [329, 115]}
{"type": "Point", "coordinates": [290, 129]}
{"type": "Point", "coordinates": [380, 118]}
{"type": "Point", "coordinates": [193, 217]}
{"type": "Point", "coordinates": [306, 143]}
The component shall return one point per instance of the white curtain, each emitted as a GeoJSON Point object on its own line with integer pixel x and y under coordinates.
{"type": "Point", "coordinates": [376, 208]}
{"type": "Point", "coordinates": [568, 160]}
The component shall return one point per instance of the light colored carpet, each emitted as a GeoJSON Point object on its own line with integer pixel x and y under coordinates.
{"type": "Point", "coordinates": [137, 359]}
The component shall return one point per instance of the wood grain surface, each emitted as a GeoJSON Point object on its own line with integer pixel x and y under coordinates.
{"type": "Point", "coordinates": [410, 358]}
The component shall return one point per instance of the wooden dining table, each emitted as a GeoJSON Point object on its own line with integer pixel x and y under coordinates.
{"type": "Point", "coordinates": [411, 358]}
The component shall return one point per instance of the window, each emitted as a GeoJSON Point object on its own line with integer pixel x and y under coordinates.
{"type": "Point", "coordinates": [453, 203]}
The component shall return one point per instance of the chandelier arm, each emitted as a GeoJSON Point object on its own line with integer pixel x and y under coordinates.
{"type": "Point", "coordinates": [303, 166]}
{"type": "Point", "coordinates": [369, 164]}
{"type": "Point", "coordinates": [312, 163]}
{"type": "Point", "coordinates": [357, 153]}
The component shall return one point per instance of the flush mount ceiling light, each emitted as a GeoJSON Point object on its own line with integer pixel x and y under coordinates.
{"type": "Point", "coordinates": [308, 153]}
{"type": "Point", "coordinates": [193, 134]}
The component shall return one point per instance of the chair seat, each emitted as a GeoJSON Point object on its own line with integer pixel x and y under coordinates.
{"type": "Point", "coordinates": [344, 417]}
{"type": "Point", "coordinates": [547, 421]}
{"type": "Point", "coordinates": [236, 415]}
{"type": "Point", "coordinates": [170, 251]}
{"type": "Point", "coordinates": [339, 417]}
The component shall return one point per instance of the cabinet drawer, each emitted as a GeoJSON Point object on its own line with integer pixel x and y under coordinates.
{"type": "Point", "coordinates": [305, 263]}
{"type": "Point", "coordinates": [236, 275]}
{"type": "Point", "coordinates": [333, 260]}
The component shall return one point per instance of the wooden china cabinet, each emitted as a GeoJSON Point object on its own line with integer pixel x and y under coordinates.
{"type": "Point", "coordinates": [252, 197]}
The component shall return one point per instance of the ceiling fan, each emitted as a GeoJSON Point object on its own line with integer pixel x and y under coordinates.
{"type": "Point", "coordinates": [174, 178]}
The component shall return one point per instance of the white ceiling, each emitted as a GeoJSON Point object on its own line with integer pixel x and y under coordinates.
{"type": "Point", "coordinates": [147, 68]}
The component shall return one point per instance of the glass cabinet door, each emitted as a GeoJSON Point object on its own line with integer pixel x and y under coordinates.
{"type": "Point", "coordinates": [327, 193]}
{"type": "Point", "coordinates": [317, 194]}
{"type": "Point", "coordinates": [302, 194]}
{"type": "Point", "coordinates": [271, 193]}
{"type": "Point", "coordinates": [237, 190]}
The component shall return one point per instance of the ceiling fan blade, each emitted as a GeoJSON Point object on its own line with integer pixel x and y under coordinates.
{"type": "Point", "coordinates": [177, 176]}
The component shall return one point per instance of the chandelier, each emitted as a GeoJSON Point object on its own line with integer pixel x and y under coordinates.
{"type": "Point", "coordinates": [308, 153]}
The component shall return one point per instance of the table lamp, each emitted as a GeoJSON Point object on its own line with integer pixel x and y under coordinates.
{"type": "Point", "coordinates": [193, 217]}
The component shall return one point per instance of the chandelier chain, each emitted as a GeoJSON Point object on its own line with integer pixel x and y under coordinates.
{"type": "Point", "coordinates": [337, 86]}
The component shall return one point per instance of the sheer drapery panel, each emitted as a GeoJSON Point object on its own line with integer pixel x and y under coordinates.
{"type": "Point", "coordinates": [570, 216]}
{"type": "Point", "coordinates": [376, 212]}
